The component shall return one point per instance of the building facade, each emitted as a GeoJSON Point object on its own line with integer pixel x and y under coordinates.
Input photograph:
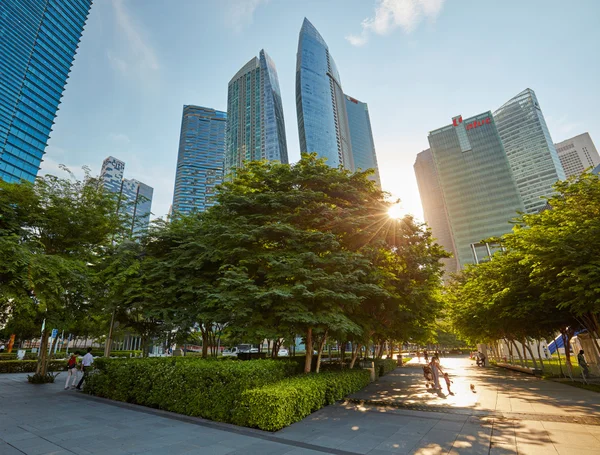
{"type": "Point", "coordinates": [38, 42]}
{"type": "Point", "coordinates": [529, 148]}
{"type": "Point", "coordinates": [200, 159]}
{"type": "Point", "coordinates": [255, 123]}
{"type": "Point", "coordinates": [320, 102]}
{"type": "Point", "coordinates": [476, 181]}
{"type": "Point", "coordinates": [577, 154]}
{"type": "Point", "coordinates": [134, 197]}
{"type": "Point", "coordinates": [434, 207]}
{"type": "Point", "coordinates": [361, 135]}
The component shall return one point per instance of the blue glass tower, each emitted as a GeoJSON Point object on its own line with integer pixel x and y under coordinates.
{"type": "Point", "coordinates": [200, 159]}
{"type": "Point", "coordinates": [320, 102]}
{"type": "Point", "coordinates": [255, 124]}
{"type": "Point", "coordinates": [38, 41]}
{"type": "Point", "coordinates": [363, 146]}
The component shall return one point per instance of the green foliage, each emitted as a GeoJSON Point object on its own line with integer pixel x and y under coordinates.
{"type": "Point", "coordinates": [41, 378]}
{"type": "Point", "coordinates": [191, 386]}
{"type": "Point", "coordinates": [385, 366]}
{"type": "Point", "coordinates": [29, 366]}
{"type": "Point", "coordinates": [275, 406]}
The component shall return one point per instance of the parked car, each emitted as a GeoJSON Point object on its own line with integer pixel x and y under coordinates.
{"type": "Point", "coordinates": [283, 353]}
{"type": "Point", "coordinates": [233, 352]}
{"type": "Point", "coordinates": [253, 351]}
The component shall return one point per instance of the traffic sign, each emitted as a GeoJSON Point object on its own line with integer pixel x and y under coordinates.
{"type": "Point", "coordinates": [54, 333]}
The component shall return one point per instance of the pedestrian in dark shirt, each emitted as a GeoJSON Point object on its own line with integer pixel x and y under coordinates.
{"type": "Point", "coordinates": [583, 364]}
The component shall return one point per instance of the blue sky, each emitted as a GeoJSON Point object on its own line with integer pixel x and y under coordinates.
{"type": "Point", "coordinates": [417, 63]}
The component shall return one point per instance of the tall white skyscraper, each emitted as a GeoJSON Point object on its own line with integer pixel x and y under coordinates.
{"type": "Point", "coordinates": [134, 197]}
{"type": "Point", "coordinates": [577, 154]}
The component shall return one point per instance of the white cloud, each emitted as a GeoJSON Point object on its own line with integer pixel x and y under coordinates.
{"type": "Point", "coordinates": [391, 14]}
{"type": "Point", "coordinates": [134, 56]}
{"type": "Point", "coordinates": [241, 13]}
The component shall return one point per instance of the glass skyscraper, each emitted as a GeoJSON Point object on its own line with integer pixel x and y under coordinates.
{"type": "Point", "coordinates": [134, 197]}
{"type": "Point", "coordinates": [361, 135]}
{"type": "Point", "coordinates": [38, 41]}
{"type": "Point", "coordinates": [320, 101]}
{"type": "Point", "coordinates": [530, 150]}
{"type": "Point", "coordinates": [475, 178]}
{"type": "Point", "coordinates": [434, 206]}
{"type": "Point", "coordinates": [200, 159]}
{"type": "Point", "coordinates": [255, 124]}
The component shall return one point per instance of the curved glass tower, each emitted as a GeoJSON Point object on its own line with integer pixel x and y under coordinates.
{"type": "Point", "coordinates": [255, 124]}
{"type": "Point", "coordinates": [320, 102]}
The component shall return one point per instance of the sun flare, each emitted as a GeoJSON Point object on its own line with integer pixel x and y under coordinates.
{"type": "Point", "coordinates": [396, 211]}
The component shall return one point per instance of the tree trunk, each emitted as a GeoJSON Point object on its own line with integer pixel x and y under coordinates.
{"type": "Point", "coordinates": [562, 373]}
{"type": "Point", "coordinates": [342, 353]}
{"type": "Point", "coordinates": [145, 345]}
{"type": "Point", "coordinates": [539, 350]}
{"type": "Point", "coordinates": [319, 354]}
{"type": "Point", "coordinates": [526, 345]}
{"type": "Point", "coordinates": [309, 351]}
{"type": "Point", "coordinates": [355, 354]}
{"type": "Point", "coordinates": [204, 343]}
{"type": "Point", "coordinates": [566, 336]}
{"type": "Point", "coordinates": [42, 365]}
{"type": "Point", "coordinates": [53, 347]}
{"type": "Point", "coordinates": [391, 350]}
{"type": "Point", "coordinates": [510, 351]}
{"type": "Point", "coordinates": [518, 352]}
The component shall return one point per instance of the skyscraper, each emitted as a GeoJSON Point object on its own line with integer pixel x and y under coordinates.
{"type": "Point", "coordinates": [434, 207]}
{"type": "Point", "coordinates": [255, 125]}
{"type": "Point", "coordinates": [577, 154]}
{"type": "Point", "coordinates": [38, 41]}
{"type": "Point", "coordinates": [200, 158]}
{"type": "Point", "coordinates": [361, 135]}
{"type": "Point", "coordinates": [134, 197]}
{"type": "Point", "coordinates": [529, 147]}
{"type": "Point", "coordinates": [476, 181]}
{"type": "Point", "coordinates": [320, 101]}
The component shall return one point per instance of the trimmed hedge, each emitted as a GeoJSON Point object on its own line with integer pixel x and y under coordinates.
{"type": "Point", "coordinates": [190, 386]}
{"type": "Point", "coordinates": [274, 406]}
{"type": "Point", "coordinates": [385, 366]}
{"type": "Point", "coordinates": [29, 366]}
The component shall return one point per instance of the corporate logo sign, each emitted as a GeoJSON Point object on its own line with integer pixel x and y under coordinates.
{"type": "Point", "coordinates": [469, 126]}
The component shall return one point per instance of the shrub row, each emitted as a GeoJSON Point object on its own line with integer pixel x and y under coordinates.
{"type": "Point", "coordinates": [29, 366]}
{"type": "Point", "coordinates": [385, 366]}
{"type": "Point", "coordinates": [190, 386]}
{"type": "Point", "coordinates": [274, 406]}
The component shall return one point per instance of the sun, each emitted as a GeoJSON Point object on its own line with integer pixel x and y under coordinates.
{"type": "Point", "coordinates": [396, 211]}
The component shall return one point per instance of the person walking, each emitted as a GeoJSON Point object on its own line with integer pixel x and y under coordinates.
{"type": "Point", "coordinates": [436, 371]}
{"type": "Point", "coordinates": [583, 364]}
{"type": "Point", "coordinates": [448, 383]}
{"type": "Point", "coordinates": [86, 365]}
{"type": "Point", "coordinates": [419, 356]}
{"type": "Point", "coordinates": [426, 356]}
{"type": "Point", "coordinates": [71, 371]}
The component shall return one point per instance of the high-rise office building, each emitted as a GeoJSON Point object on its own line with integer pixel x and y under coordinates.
{"type": "Point", "coordinates": [134, 197]}
{"type": "Point", "coordinates": [434, 207]}
{"type": "Point", "coordinates": [255, 125]}
{"type": "Point", "coordinates": [474, 174]}
{"type": "Point", "coordinates": [320, 101]}
{"type": "Point", "coordinates": [38, 41]}
{"type": "Point", "coordinates": [200, 159]}
{"type": "Point", "coordinates": [361, 135]}
{"type": "Point", "coordinates": [577, 154]}
{"type": "Point", "coordinates": [529, 147]}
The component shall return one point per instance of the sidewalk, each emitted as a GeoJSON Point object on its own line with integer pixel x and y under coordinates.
{"type": "Point", "coordinates": [508, 414]}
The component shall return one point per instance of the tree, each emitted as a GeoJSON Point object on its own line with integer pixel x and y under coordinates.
{"type": "Point", "coordinates": [50, 233]}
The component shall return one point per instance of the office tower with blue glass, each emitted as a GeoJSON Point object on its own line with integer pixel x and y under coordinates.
{"type": "Point", "coordinates": [479, 191]}
{"type": "Point", "coordinates": [434, 207]}
{"type": "Point", "coordinates": [200, 159]}
{"type": "Point", "coordinates": [38, 42]}
{"type": "Point", "coordinates": [320, 102]}
{"type": "Point", "coordinates": [361, 135]}
{"type": "Point", "coordinates": [255, 124]}
{"type": "Point", "coordinates": [134, 198]}
{"type": "Point", "coordinates": [530, 150]}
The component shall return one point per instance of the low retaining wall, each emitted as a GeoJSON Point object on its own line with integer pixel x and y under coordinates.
{"type": "Point", "coordinates": [533, 371]}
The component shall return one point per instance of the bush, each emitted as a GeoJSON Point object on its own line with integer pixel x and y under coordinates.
{"type": "Point", "coordinates": [274, 406]}
{"type": "Point", "coordinates": [42, 378]}
{"type": "Point", "coordinates": [7, 356]}
{"type": "Point", "coordinates": [385, 366]}
{"type": "Point", "coordinates": [29, 366]}
{"type": "Point", "coordinates": [191, 386]}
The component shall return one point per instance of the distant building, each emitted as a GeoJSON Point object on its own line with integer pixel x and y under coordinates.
{"type": "Point", "coordinates": [134, 197]}
{"type": "Point", "coordinates": [38, 42]}
{"type": "Point", "coordinates": [320, 101]}
{"type": "Point", "coordinates": [200, 159]}
{"type": "Point", "coordinates": [475, 178]}
{"type": "Point", "coordinates": [255, 124]}
{"type": "Point", "coordinates": [529, 148]}
{"type": "Point", "coordinates": [361, 135]}
{"type": "Point", "coordinates": [577, 154]}
{"type": "Point", "coordinates": [434, 207]}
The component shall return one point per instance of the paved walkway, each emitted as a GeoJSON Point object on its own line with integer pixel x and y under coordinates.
{"type": "Point", "coordinates": [509, 413]}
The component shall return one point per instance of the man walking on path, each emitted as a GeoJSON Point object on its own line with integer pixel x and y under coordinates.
{"type": "Point", "coordinates": [86, 364]}
{"type": "Point", "coordinates": [583, 364]}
